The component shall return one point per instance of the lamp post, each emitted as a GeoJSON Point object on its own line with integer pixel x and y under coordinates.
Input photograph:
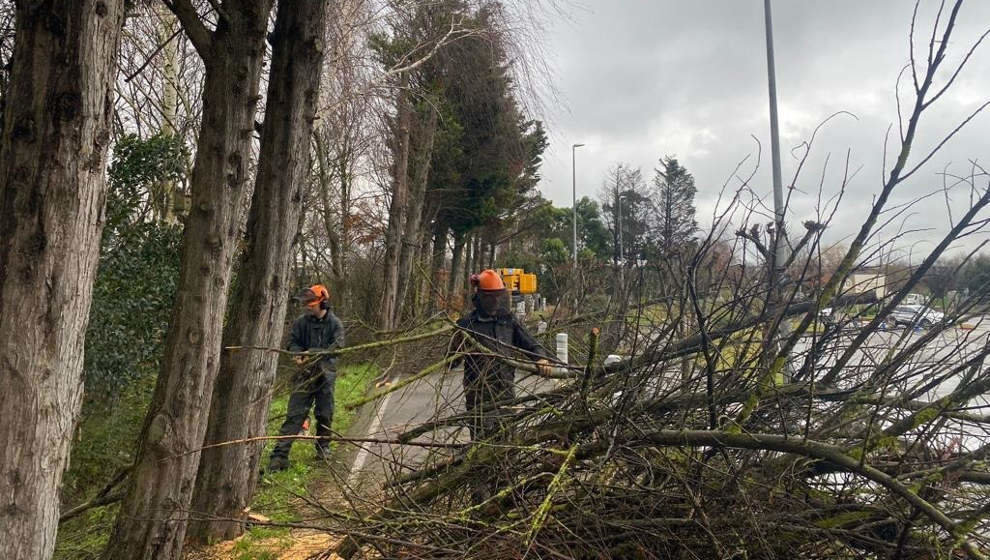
{"type": "Point", "coordinates": [778, 189]}
{"type": "Point", "coordinates": [779, 243]}
{"type": "Point", "coordinates": [574, 196]}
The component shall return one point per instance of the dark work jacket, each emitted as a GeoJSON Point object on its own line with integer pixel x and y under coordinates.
{"type": "Point", "coordinates": [500, 335]}
{"type": "Point", "coordinates": [310, 333]}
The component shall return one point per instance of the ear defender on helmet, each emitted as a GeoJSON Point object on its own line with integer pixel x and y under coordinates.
{"type": "Point", "coordinates": [315, 297]}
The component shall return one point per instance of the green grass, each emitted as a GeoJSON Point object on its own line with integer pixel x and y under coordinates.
{"type": "Point", "coordinates": [277, 493]}
{"type": "Point", "coordinates": [106, 441]}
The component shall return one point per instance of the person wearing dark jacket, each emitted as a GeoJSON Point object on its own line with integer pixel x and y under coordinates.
{"type": "Point", "coordinates": [317, 330]}
{"type": "Point", "coordinates": [487, 378]}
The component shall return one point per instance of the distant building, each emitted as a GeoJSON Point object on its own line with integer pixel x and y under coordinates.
{"type": "Point", "coordinates": [867, 281]}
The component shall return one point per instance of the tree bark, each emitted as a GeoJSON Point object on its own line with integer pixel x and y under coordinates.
{"type": "Point", "coordinates": [228, 475]}
{"type": "Point", "coordinates": [439, 248]}
{"type": "Point", "coordinates": [483, 252]}
{"type": "Point", "coordinates": [152, 519]}
{"type": "Point", "coordinates": [412, 238]}
{"type": "Point", "coordinates": [456, 269]}
{"type": "Point", "coordinates": [56, 130]}
{"type": "Point", "coordinates": [337, 235]}
{"type": "Point", "coordinates": [168, 204]}
{"type": "Point", "coordinates": [475, 253]}
{"type": "Point", "coordinates": [335, 212]}
{"type": "Point", "coordinates": [344, 235]}
{"type": "Point", "coordinates": [397, 212]}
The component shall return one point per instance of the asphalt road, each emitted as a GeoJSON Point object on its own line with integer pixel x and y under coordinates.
{"type": "Point", "coordinates": [428, 399]}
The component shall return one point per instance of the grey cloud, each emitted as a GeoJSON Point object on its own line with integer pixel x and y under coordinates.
{"type": "Point", "coordinates": [643, 79]}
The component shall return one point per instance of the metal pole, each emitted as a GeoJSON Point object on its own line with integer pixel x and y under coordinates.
{"type": "Point", "coordinates": [780, 247]}
{"type": "Point", "coordinates": [574, 197]}
{"type": "Point", "coordinates": [778, 190]}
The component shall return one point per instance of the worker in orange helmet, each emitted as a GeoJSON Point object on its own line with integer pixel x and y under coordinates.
{"type": "Point", "coordinates": [318, 329]}
{"type": "Point", "coordinates": [488, 379]}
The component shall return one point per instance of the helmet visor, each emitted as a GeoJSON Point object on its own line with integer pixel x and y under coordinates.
{"type": "Point", "coordinates": [308, 298]}
{"type": "Point", "coordinates": [493, 302]}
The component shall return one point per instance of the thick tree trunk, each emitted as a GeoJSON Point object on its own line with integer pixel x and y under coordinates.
{"type": "Point", "coordinates": [412, 239]}
{"type": "Point", "coordinates": [228, 475]}
{"type": "Point", "coordinates": [152, 519]}
{"type": "Point", "coordinates": [396, 214]}
{"type": "Point", "coordinates": [52, 190]}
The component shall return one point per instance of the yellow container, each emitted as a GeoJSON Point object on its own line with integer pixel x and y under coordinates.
{"type": "Point", "coordinates": [517, 281]}
{"type": "Point", "coordinates": [527, 283]}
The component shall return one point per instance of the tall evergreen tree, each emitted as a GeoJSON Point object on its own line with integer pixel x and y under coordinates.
{"type": "Point", "coordinates": [674, 225]}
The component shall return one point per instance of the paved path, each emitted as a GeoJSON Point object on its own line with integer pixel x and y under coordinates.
{"type": "Point", "coordinates": [433, 397]}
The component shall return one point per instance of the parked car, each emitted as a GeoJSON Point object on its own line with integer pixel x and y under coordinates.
{"type": "Point", "coordinates": [911, 315]}
{"type": "Point", "coordinates": [914, 299]}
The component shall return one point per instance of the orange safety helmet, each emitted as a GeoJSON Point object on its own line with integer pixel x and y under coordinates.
{"type": "Point", "coordinates": [316, 297]}
{"type": "Point", "coordinates": [487, 281]}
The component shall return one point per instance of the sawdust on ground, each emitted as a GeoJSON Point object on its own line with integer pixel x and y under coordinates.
{"type": "Point", "coordinates": [306, 544]}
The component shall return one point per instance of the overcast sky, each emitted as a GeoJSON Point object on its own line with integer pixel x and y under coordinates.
{"type": "Point", "coordinates": [638, 79]}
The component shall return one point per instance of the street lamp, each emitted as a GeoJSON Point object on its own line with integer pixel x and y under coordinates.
{"type": "Point", "coordinates": [779, 241]}
{"type": "Point", "coordinates": [574, 148]}
{"type": "Point", "coordinates": [780, 255]}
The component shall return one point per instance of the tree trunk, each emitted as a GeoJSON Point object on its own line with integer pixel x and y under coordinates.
{"type": "Point", "coordinates": [52, 190]}
{"type": "Point", "coordinates": [344, 235]}
{"type": "Point", "coordinates": [152, 519]}
{"type": "Point", "coordinates": [471, 257]}
{"type": "Point", "coordinates": [169, 204]}
{"type": "Point", "coordinates": [483, 255]}
{"type": "Point", "coordinates": [491, 255]}
{"type": "Point", "coordinates": [301, 272]}
{"type": "Point", "coordinates": [454, 282]}
{"type": "Point", "coordinates": [396, 214]}
{"type": "Point", "coordinates": [228, 475]}
{"type": "Point", "coordinates": [333, 225]}
{"type": "Point", "coordinates": [412, 233]}
{"type": "Point", "coordinates": [476, 253]}
{"type": "Point", "coordinates": [438, 282]}
{"type": "Point", "coordinates": [345, 175]}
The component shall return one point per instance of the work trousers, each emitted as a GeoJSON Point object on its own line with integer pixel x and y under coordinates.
{"type": "Point", "coordinates": [316, 392]}
{"type": "Point", "coordinates": [481, 391]}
